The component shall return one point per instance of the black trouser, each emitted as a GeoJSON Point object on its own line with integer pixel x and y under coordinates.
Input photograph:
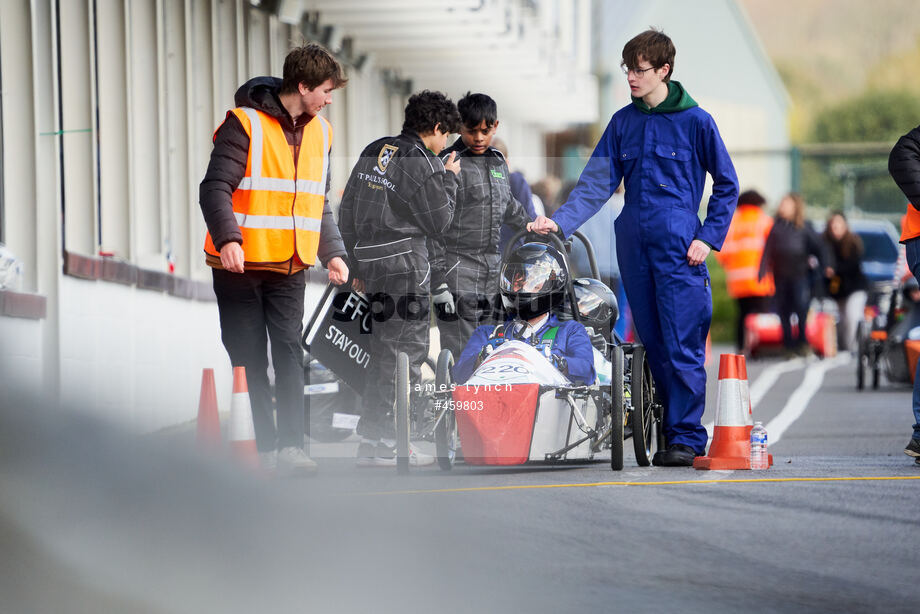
{"type": "Point", "coordinates": [398, 288]}
{"type": "Point", "coordinates": [254, 307]}
{"type": "Point", "coordinates": [746, 306]}
{"type": "Point", "coordinates": [793, 296]}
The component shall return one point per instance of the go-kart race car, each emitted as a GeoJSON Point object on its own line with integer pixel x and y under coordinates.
{"type": "Point", "coordinates": [518, 407]}
{"type": "Point", "coordinates": [884, 337]}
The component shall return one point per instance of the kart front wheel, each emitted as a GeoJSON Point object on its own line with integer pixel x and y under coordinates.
{"type": "Point", "coordinates": [643, 419]}
{"type": "Point", "coordinates": [445, 433]}
{"type": "Point", "coordinates": [402, 413]}
{"type": "Point", "coordinates": [617, 419]}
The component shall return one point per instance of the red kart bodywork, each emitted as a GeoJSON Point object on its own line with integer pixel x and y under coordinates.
{"type": "Point", "coordinates": [500, 433]}
{"type": "Point", "coordinates": [764, 331]}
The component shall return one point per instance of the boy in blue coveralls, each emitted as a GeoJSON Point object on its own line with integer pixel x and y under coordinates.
{"type": "Point", "coordinates": [532, 284]}
{"type": "Point", "coordinates": [662, 145]}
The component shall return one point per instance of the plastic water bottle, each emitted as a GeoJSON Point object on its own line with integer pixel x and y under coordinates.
{"type": "Point", "coordinates": [759, 458]}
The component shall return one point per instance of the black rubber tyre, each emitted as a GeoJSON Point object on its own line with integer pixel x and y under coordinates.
{"type": "Point", "coordinates": [862, 357]}
{"type": "Point", "coordinates": [645, 431]}
{"type": "Point", "coordinates": [402, 413]}
{"type": "Point", "coordinates": [446, 439]}
{"type": "Point", "coordinates": [616, 409]}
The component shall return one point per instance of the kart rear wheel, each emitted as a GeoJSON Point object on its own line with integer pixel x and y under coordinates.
{"type": "Point", "coordinates": [445, 434]}
{"type": "Point", "coordinates": [646, 432]}
{"type": "Point", "coordinates": [616, 409]}
{"type": "Point", "coordinates": [402, 413]}
{"type": "Point", "coordinates": [862, 357]}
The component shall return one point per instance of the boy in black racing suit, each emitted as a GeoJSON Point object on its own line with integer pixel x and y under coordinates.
{"type": "Point", "coordinates": [466, 259]}
{"type": "Point", "coordinates": [398, 195]}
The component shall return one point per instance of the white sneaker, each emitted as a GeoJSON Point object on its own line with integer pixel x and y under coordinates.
{"type": "Point", "coordinates": [269, 460]}
{"type": "Point", "coordinates": [383, 454]}
{"type": "Point", "coordinates": [294, 461]}
{"type": "Point", "coordinates": [419, 459]}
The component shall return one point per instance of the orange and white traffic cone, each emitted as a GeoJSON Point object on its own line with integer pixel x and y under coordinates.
{"type": "Point", "coordinates": [242, 431]}
{"type": "Point", "coordinates": [208, 429]}
{"type": "Point", "coordinates": [731, 438]}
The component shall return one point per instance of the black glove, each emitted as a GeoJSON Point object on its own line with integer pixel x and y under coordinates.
{"type": "Point", "coordinates": [560, 363]}
{"type": "Point", "coordinates": [443, 300]}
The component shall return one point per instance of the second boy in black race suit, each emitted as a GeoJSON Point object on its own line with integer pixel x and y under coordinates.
{"type": "Point", "coordinates": [467, 260]}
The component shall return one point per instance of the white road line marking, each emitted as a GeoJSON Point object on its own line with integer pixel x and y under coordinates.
{"type": "Point", "coordinates": [765, 382]}
{"type": "Point", "coordinates": [769, 376]}
{"type": "Point", "coordinates": [798, 400]}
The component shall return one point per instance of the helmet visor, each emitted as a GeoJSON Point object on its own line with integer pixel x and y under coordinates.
{"type": "Point", "coordinates": [530, 277]}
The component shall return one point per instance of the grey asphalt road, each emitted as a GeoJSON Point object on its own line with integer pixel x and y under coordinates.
{"type": "Point", "coordinates": [95, 520]}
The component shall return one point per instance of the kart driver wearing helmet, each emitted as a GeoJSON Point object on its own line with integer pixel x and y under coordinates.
{"type": "Point", "coordinates": [532, 284]}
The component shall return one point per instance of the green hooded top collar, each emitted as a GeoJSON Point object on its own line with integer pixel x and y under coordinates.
{"type": "Point", "coordinates": [677, 100]}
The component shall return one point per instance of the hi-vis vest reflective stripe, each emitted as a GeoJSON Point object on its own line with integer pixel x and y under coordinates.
{"type": "Point", "coordinates": [279, 207]}
{"type": "Point", "coordinates": [910, 224]}
{"type": "Point", "coordinates": [742, 251]}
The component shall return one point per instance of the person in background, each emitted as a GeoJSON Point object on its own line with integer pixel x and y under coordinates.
{"type": "Point", "coordinates": [520, 189]}
{"type": "Point", "coordinates": [904, 166]}
{"type": "Point", "coordinates": [264, 202]}
{"type": "Point", "coordinates": [789, 246]}
{"type": "Point", "coordinates": [846, 283]}
{"type": "Point", "coordinates": [740, 257]}
{"type": "Point", "coordinates": [545, 191]}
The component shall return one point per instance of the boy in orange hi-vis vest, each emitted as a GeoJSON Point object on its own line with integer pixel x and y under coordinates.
{"type": "Point", "coordinates": [264, 202]}
{"type": "Point", "coordinates": [740, 257]}
{"type": "Point", "coordinates": [904, 166]}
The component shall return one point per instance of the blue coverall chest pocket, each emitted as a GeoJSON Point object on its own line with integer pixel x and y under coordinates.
{"type": "Point", "coordinates": [672, 169]}
{"type": "Point", "coordinates": [669, 152]}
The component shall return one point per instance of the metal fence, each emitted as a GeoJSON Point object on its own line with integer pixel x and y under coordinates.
{"type": "Point", "coordinates": [849, 176]}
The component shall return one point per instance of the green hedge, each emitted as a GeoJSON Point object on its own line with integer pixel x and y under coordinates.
{"type": "Point", "coordinates": [724, 309]}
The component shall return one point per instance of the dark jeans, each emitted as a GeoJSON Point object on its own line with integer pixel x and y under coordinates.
{"type": "Point", "coordinates": [255, 307]}
{"type": "Point", "coordinates": [746, 306]}
{"type": "Point", "coordinates": [793, 297]}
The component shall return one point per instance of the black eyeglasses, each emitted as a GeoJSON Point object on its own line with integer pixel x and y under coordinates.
{"type": "Point", "coordinates": [636, 71]}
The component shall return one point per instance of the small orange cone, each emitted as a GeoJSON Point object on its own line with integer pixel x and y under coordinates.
{"type": "Point", "coordinates": [821, 332]}
{"type": "Point", "coordinates": [242, 431]}
{"type": "Point", "coordinates": [208, 432]}
{"type": "Point", "coordinates": [731, 438]}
